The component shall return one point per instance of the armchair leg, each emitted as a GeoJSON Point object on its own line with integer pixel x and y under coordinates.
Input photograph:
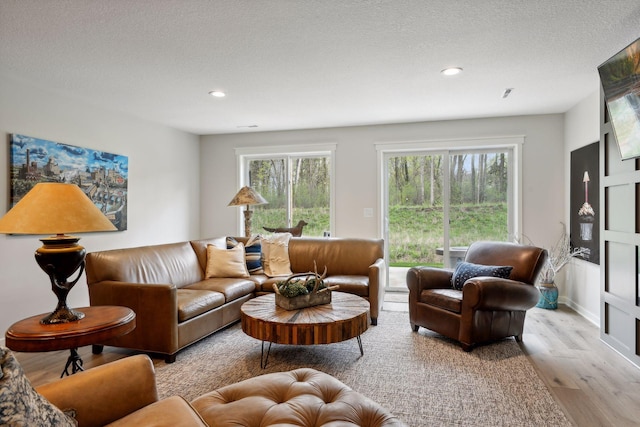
{"type": "Point", "coordinates": [170, 358]}
{"type": "Point", "coordinates": [96, 348]}
{"type": "Point", "coordinates": [466, 347]}
{"type": "Point", "coordinates": [374, 321]}
{"type": "Point", "coordinates": [415, 327]}
{"type": "Point", "coordinates": [518, 338]}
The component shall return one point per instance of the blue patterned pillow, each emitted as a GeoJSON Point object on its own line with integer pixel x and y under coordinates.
{"type": "Point", "coordinates": [466, 270]}
{"type": "Point", "coordinates": [20, 404]}
{"type": "Point", "coordinates": [253, 253]}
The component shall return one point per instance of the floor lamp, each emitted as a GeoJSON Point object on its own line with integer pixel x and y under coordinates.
{"type": "Point", "coordinates": [247, 196]}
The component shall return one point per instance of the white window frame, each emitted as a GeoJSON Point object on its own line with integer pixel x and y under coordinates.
{"type": "Point", "coordinates": [246, 154]}
{"type": "Point", "coordinates": [449, 146]}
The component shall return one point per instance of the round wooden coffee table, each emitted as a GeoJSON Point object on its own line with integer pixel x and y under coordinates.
{"type": "Point", "coordinates": [345, 317]}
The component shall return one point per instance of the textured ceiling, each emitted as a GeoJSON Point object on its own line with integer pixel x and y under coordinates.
{"type": "Point", "coordinates": [292, 64]}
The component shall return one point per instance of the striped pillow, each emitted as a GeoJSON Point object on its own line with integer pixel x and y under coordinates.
{"type": "Point", "coordinates": [253, 253]}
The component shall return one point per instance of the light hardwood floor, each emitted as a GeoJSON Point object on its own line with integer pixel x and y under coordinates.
{"type": "Point", "coordinates": [591, 382]}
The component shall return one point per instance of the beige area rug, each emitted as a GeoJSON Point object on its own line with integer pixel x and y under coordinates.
{"type": "Point", "coordinates": [422, 378]}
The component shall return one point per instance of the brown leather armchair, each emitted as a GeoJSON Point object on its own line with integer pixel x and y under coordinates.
{"type": "Point", "coordinates": [487, 308]}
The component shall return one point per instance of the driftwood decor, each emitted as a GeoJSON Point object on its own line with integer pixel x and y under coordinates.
{"type": "Point", "coordinates": [295, 293]}
{"type": "Point", "coordinates": [295, 231]}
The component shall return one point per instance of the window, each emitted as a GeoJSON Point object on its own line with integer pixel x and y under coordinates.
{"type": "Point", "coordinates": [439, 198]}
{"type": "Point", "coordinates": [298, 186]}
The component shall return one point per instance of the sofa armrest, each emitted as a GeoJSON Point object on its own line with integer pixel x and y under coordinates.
{"type": "Point", "coordinates": [111, 292]}
{"type": "Point", "coordinates": [156, 308]}
{"type": "Point", "coordinates": [421, 278]}
{"type": "Point", "coordinates": [376, 289]}
{"type": "Point", "coordinates": [105, 393]}
{"type": "Point", "coordinates": [491, 293]}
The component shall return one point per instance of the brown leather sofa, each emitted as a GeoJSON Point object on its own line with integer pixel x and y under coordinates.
{"type": "Point", "coordinates": [487, 308]}
{"type": "Point", "coordinates": [124, 393]}
{"type": "Point", "coordinates": [176, 306]}
{"type": "Point", "coordinates": [356, 265]}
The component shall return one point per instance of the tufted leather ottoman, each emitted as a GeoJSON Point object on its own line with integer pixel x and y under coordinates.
{"type": "Point", "coordinates": [302, 397]}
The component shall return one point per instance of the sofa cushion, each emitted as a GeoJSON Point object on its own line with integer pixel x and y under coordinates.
{"type": "Point", "coordinates": [174, 263]}
{"type": "Point", "coordinates": [173, 411]}
{"type": "Point", "coordinates": [231, 288]}
{"type": "Point", "coordinates": [467, 270]}
{"type": "Point", "coordinates": [447, 299]}
{"type": "Point", "coordinates": [20, 404]}
{"type": "Point", "coordinates": [264, 282]}
{"type": "Point", "coordinates": [193, 302]}
{"type": "Point", "coordinates": [253, 253]}
{"type": "Point", "coordinates": [341, 256]}
{"type": "Point", "coordinates": [200, 248]}
{"type": "Point", "coordinates": [357, 285]}
{"type": "Point", "coordinates": [226, 262]}
{"type": "Point", "coordinates": [275, 258]}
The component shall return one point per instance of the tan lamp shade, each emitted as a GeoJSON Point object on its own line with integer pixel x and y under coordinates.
{"type": "Point", "coordinates": [54, 208]}
{"type": "Point", "coordinates": [57, 208]}
{"type": "Point", "coordinates": [247, 196]}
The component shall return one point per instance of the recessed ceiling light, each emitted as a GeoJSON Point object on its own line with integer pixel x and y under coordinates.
{"type": "Point", "coordinates": [217, 93]}
{"type": "Point", "coordinates": [451, 71]}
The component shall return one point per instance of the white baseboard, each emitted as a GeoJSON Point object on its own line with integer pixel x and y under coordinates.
{"type": "Point", "coordinates": [591, 317]}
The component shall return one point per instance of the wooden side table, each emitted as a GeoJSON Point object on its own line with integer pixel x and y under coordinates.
{"type": "Point", "coordinates": [99, 324]}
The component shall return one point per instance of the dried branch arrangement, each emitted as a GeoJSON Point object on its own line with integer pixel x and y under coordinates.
{"type": "Point", "coordinates": [559, 255]}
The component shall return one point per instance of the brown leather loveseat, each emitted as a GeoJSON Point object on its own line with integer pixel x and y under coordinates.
{"type": "Point", "coordinates": [176, 305]}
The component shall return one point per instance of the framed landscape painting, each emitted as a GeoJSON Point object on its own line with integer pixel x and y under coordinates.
{"type": "Point", "coordinates": [102, 176]}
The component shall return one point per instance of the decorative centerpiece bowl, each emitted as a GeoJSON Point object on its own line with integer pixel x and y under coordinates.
{"type": "Point", "coordinates": [303, 290]}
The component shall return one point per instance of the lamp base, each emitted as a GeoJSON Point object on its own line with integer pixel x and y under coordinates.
{"type": "Point", "coordinates": [247, 222]}
{"type": "Point", "coordinates": [60, 256]}
{"type": "Point", "coordinates": [62, 315]}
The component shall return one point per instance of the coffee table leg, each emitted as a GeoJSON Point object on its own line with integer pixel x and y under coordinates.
{"type": "Point", "coordinates": [360, 345]}
{"type": "Point", "coordinates": [74, 362]}
{"type": "Point", "coordinates": [264, 359]}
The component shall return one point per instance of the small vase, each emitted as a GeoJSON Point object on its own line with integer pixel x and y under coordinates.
{"type": "Point", "coordinates": [548, 296]}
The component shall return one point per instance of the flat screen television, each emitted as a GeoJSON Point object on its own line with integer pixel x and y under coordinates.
{"type": "Point", "coordinates": [620, 77]}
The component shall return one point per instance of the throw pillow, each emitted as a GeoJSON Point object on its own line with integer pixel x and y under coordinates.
{"type": "Point", "coordinates": [226, 262]}
{"type": "Point", "coordinates": [466, 270]}
{"type": "Point", "coordinates": [275, 250]}
{"type": "Point", "coordinates": [21, 403]}
{"type": "Point", "coordinates": [253, 253]}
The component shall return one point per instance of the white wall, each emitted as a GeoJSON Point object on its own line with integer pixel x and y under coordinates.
{"type": "Point", "coordinates": [164, 191]}
{"type": "Point", "coordinates": [580, 288]}
{"type": "Point", "coordinates": [356, 175]}
{"type": "Point", "coordinates": [179, 189]}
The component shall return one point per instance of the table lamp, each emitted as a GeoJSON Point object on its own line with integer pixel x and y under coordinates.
{"type": "Point", "coordinates": [247, 196]}
{"type": "Point", "coordinates": [57, 208]}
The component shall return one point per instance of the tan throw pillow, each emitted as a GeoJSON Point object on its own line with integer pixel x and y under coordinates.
{"type": "Point", "coordinates": [275, 252]}
{"type": "Point", "coordinates": [226, 262]}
